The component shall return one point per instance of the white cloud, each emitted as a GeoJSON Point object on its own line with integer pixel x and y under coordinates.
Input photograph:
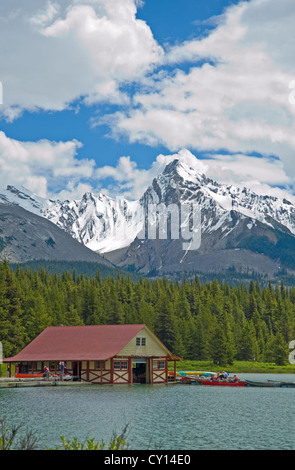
{"type": "Point", "coordinates": [262, 175]}
{"type": "Point", "coordinates": [68, 51]}
{"type": "Point", "coordinates": [126, 178]}
{"type": "Point", "coordinates": [131, 181]}
{"type": "Point", "coordinates": [120, 46]}
{"type": "Point", "coordinates": [41, 19]}
{"type": "Point", "coordinates": [53, 169]}
{"type": "Point", "coordinates": [237, 100]}
{"type": "Point", "coordinates": [74, 190]}
{"type": "Point", "coordinates": [247, 170]}
{"type": "Point", "coordinates": [43, 167]}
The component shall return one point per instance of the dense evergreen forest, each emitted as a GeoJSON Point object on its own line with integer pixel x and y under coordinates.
{"type": "Point", "coordinates": [200, 321]}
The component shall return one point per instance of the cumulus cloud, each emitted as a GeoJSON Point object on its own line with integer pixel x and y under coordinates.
{"type": "Point", "coordinates": [44, 167]}
{"type": "Point", "coordinates": [246, 169]}
{"type": "Point", "coordinates": [42, 18]}
{"type": "Point", "coordinates": [71, 51]}
{"type": "Point", "coordinates": [231, 98]}
{"type": "Point", "coordinates": [237, 100]}
{"type": "Point", "coordinates": [121, 47]}
{"type": "Point", "coordinates": [127, 179]}
{"type": "Point", "coordinates": [53, 169]}
{"type": "Point", "coordinates": [262, 175]}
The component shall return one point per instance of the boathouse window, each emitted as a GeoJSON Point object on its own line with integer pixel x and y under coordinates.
{"type": "Point", "coordinates": [120, 365]}
{"type": "Point", "coordinates": [158, 365]}
{"type": "Point", "coordinates": [99, 365]}
{"type": "Point", "coordinates": [140, 342]}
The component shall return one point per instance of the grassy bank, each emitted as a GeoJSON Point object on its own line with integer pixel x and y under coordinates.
{"type": "Point", "coordinates": [237, 367]}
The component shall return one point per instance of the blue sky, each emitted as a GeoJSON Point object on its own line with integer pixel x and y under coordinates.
{"type": "Point", "coordinates": [99, 95]}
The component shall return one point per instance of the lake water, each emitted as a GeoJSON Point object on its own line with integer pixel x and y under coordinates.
{"type": "Point", "coordinates": [165, 417]}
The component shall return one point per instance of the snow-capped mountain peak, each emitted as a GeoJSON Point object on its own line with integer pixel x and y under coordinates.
{"type": "Point", "coordinates": [98, 221]}
{"type": "Point", "coordinates": [106, 224]}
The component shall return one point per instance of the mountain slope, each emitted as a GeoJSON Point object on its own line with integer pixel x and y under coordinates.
{"type": "Point", "coordinates": [25, 236]}
{"type": "Point", "coordinates": [99, 222]}
{"type": "Point", "coordinates": [238, 229]}
{"type": "Point", "coordinates": [261, 250]}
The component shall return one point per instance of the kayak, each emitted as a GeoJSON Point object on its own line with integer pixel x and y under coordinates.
{"type": "Point", "coordinates": [199, 373]}
{"type": "Point", "coordinates": [28, 376]}
{"type": "Point", "coordinates": [219, 382]}
{"type": "Point", "coordinates": [185, 373]}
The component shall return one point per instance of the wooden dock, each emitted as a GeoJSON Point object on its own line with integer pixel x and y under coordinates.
{"type": "Point", "coordinates": [40, 382]}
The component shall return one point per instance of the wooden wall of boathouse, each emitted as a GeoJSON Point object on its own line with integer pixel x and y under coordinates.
{"type": "Point", "coordinates": [143, 359]}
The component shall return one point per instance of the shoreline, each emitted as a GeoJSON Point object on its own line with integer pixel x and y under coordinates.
{"type": "Point", "coordinates": [238, 367]}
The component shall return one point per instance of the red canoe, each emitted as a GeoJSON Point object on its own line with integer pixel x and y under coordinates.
{"type": "Point", "coordinates": [229, 384]}
{"type": "Point", "coordinates": [28, 376]}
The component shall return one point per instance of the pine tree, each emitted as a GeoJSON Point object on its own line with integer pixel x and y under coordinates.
{"type": "Point", "coordinates": [247, 347]}
{"type": "Point", "coordinates": [218, 354]}
{"type": "Point", "coordinates": [277, 350]}
{"type": "Point", "coordinates": [165, 327]}
{"type": "Point", "coordinates": [200, 347]}
{"type": "Point", "coordinates": [113, 310]}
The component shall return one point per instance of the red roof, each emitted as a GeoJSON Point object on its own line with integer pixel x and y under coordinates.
{"type": "Point", "coordinates": [95, 342]}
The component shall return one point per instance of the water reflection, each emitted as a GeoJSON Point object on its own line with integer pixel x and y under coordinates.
{"type": "Point", "coordinates": [173, 417]}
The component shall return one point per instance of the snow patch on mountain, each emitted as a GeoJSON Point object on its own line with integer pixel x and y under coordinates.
{"type": "Point", "coordinates": [99, 222]}
{"type": "Point", "coordinates": [105, 224]}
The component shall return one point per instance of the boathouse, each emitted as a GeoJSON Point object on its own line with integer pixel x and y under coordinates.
{"type": "Point", "coordinates": [99, 354]}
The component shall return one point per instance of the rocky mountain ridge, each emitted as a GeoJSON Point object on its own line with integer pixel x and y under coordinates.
{"type": "Point", "coordinates": [238, 228]}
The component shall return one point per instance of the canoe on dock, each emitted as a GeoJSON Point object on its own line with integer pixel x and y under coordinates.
{"type": "Point", "coordinates": [28, 376]}
{"type": "Point", "coordinates": [199, 373]}
{"type": "Point", "coordinates": [185, 373]}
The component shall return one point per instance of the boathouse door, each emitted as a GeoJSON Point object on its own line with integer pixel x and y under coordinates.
{"type": "Point", "coordinates": [139, 370]}
{"type": "Point", "coordinates": [76, 371]}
